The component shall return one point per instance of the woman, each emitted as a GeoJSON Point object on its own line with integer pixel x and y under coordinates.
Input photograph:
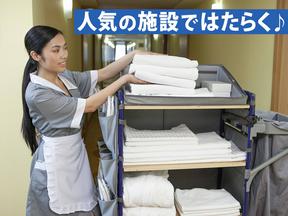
{"type": "Point", "coordinates": [54, 101]}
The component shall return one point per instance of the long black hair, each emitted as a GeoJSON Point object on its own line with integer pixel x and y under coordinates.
{"type": "Point", "coordinates": [35, 40]}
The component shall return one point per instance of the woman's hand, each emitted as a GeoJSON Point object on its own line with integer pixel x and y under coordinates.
{"type": "Point", "coordinates": [130, 78]}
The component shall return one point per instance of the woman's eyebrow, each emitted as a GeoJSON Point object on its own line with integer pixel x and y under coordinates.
{"type": "Point", "coordinates": [58, 46]}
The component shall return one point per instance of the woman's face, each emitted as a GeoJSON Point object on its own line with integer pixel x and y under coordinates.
{"type": "Point", "coordinates": [54, 55]}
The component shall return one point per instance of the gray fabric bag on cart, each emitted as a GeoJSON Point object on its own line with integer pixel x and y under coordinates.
{"type": "Point", "coordinates": [269, 189]}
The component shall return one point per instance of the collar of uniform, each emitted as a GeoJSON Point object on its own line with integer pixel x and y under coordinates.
{"type": "Point", "coordinates": [41, 81]}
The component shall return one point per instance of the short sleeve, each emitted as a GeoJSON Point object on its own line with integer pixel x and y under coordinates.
{"type": "Point", "coordinates": [86, 82]}
{"type": "Point", "coordinates": [59, 110]}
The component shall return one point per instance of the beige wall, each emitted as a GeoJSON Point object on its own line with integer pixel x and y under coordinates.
{"type": "Point", "coordinates": [248, 57]}
{"type": "Point", "coordinates": [51, 13]}
{"type": "Point", "coordinates": [14, 156]}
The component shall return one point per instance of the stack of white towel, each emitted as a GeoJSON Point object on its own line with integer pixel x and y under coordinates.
{"type": "Point", "coordinates": [177, 145]}
{"type": "Point", "coordinates": [170, 75]}
{"type": "Point", "coordinates": [218, 88]}
{"type": "Point", "coordinates": [148, 194]}
{"type": "Point", "coordinates": [201, 202]}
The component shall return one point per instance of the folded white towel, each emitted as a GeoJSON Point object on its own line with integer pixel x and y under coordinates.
{"type": "Point", "coordinates": [221, 94]}
{"type": "Point", "coordinates": [203, 199]}
{"type": "Point", "coordinates": [165, 61]}
{"type": "Point", "coordinates": [209, 211]}
{"type": "Point", "coordinates": [159, 143]}
{"type": "Point", "coordinates": [182, 73]}
{"type": "Point", "coordinates": [185, 153]}
{"type": "Point", "coordinates": [203, 92]}
{"type": "Point", "coordinates": [216, 86]}
{"type": "Point", "coordinates": [221, 213]}
{"type": "Point", "coordinates": [171, 146]}
{"type": "Point", "coordinates": [149, 211]}
{"type": "Point", "coordinates": [235, 155]}
{"type": "Point", "coordinates": [211, 138]}
{"type": "Point", "coordinates": [155, 89]}
{"type": "Point", "coordinates": [160, 173]}
{"type": "Point", "coordinates": [165, 80]}
{"type": "Point", "coordinates": [148, 190]}
{"type": "Point", "coordinates": [181, 132]}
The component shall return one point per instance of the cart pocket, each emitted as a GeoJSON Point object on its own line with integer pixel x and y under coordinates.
{"type": "Point", "coordinates": [109, 172]}
{"type": "Point", "coordinates": [108, 208]}
{"type": "Point", "coordinates": [109, 129]}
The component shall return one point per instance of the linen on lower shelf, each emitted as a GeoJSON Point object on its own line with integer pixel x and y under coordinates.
{"type": "Point", "coordinates": [149, 211]}
{"type": "Point", "coordinates": [200, 199]}
{"type": "Point", "coordinates": [181, 133]}
{"type": "Point", "coordinates": [148, 191]}
{"type": "Point", "coordinates": [235, 155]}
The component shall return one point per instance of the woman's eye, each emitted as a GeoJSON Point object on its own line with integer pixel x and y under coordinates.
{"type": "Point", "coordinates": [55, 51]}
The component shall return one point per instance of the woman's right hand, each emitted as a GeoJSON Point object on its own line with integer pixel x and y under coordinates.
{"type": "Point", "coordinates": [130, 78]}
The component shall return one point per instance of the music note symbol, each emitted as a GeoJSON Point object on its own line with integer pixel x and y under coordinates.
{"type": "Point", "coordinates": [277, 29]}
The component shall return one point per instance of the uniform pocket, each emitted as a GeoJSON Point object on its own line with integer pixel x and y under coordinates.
{"type": "Point", "coordinates": [38, 181]}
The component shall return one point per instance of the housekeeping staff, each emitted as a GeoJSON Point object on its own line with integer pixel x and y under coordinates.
{"type": "Point", "coordinates": [54, 101]}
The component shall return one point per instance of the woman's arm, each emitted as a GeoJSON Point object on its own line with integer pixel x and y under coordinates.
{"type": "Point", "coordinates": [114, 68]}
{"type": "Point", "coordinates": [96, 100]}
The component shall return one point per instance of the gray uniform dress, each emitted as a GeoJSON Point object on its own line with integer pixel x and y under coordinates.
{"type": "Point", "coordinates": [57, 116]}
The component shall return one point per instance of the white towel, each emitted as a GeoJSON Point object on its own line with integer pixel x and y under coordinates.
{"type": "Point", "coordinates": [148, 190]}
{"type": "Point", "coordinates": [151, 143]}
{"type": "Point", "coordinates": [155, 89]}
{"type": "Point", "coordinates": [182, 73]}
{"type": "Point", "coordinates": [216, 86]}
{"type": "Point", "coordinates": [172, 91]}
{"type": "Point", "coordinates": [149, 211]}
{"type": "Point", "coordinates": [181, 132]}
{"type": "Point", "coordinates": [211, 138]}
{"type": "Point", "coordinates": [172, 146]}
{"type": "Point", "coordinates": [203, 199]}
{"type": "Point", "coordinates": [165, 80]}
{"type": "Point", "coordinates": [221, 94]}
{"type": "Point", "coordinates": [185, 154]}
{"type": "Point", "coordinates": [235, 155]}
{"type": "Point", "coordinates": [161, 173]}
{"type": "Point", "coordinates": [165, 61]}
{"type": "Point", "coordinates": [221, 211]}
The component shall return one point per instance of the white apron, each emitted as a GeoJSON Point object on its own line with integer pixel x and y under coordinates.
{"type": "Point", "coordinates": [69, 180]}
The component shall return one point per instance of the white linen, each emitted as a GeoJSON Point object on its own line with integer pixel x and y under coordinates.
{"type": "Point", "coordinates": [211, 138]}
{"type": "Point", "coordinates": [161, 173]}
{"type": "Point", "coordinates": [169, 91]}
{"type": "Point", "coordinates": [148, 190]}
{"type": "Point", "coordinates": [217, 86]}
{"type": "Point", "coordinates": [203, 92]}
{"type": "Point", "coordinates": [181, 132]}
{"type": "Point", "coordinates": [221, 94]}
{"type": "Point", "coordinates": [202, 199]}
{"type": "Point", "coordinates": [155, 89]}
{"type": "Point", "coordinates": [185, 153]}
{"type": "Point", "coordinates": [235, 155]}
{"type": "Point", "coordinates": [165, 80]}
{"type": "Point", "coordinates": [173, 142]}
{"type": "Point", "coordinates": [172, 146]}
{"type": "Point", "coordinates": [182, 73]}
{"type": "Point", "coordinates": [165, 61]}
{"type": "Point", "coordinates": [149, 211]}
